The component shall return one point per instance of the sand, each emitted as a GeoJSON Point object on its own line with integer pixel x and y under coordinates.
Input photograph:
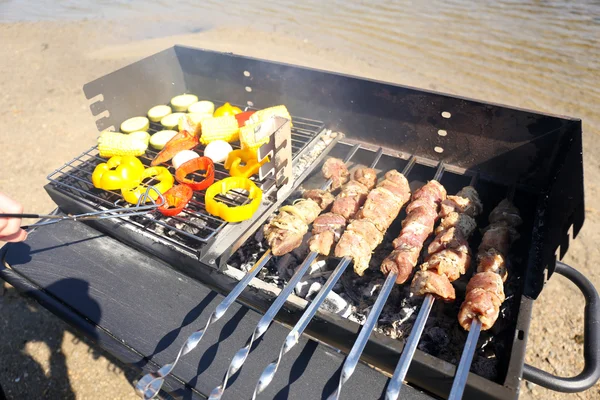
{"type": "Point", "coordinates": [46, 121]}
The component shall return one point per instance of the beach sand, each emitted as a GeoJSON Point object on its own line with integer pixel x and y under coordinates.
{"type": "Point", "coordinates": [46, 121]}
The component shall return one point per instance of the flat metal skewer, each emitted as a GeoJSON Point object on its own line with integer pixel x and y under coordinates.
{"type": "Point", "coordinates": [365, 332]}
{"type": "Point", "coordinates": [395, 385]}
{"type": "Point", "coordinates": [462, 372]}
{"type": "Point", "coordinates": [150, 384]}
{"type": "Point", "coordinates": [240, 357]}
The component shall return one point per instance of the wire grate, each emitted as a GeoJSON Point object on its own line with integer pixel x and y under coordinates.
{"type": "Point", "coordinates": [192, 228]}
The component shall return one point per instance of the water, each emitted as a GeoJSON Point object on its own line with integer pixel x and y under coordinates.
{"type": "Point", "coordinates": [542, 55]}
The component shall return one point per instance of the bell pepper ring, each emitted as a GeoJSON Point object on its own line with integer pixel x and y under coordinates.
{"type": "Point", "coordinates": [176, 199]}
{"type": "Point", "coordinates": [193, 165]}
{"type": "Point", "coordinates": [165, 182]}
{"type": "Point", "coordinates": [233, 213]}
{"type": "Point", "coordinates": [248, 158]}
{"type": "Point", "coordinates": [118, 172]}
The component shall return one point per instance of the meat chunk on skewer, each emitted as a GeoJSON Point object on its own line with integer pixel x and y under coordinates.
{"type": "Point", "coordinates": [488, 281]}
{"type": "Point", "coordinates": [336, 170]}
{"type": "Point", "coordinates": [427, 282]}
{"type": "Point", "coordinates": [449, 239]}
{"type": "Point", "coordinates": [353, 245]}
{"type": "Point", "coordinates": [449, 262]}
{"type": "Point", "coordinates": [401, 261]}
{"type": "Point", "coordinates": [322, 197]}
{"type": "Point", "coordinates": [351, 198]}
{"type": "Point", "coordinates": [464, 223]}
{"type": "Point", "coordinates": [368, 231]}
{"type": "Point", "coordinates": [381, 209]}
{"type": "Point", "coordinates": [479, 304]}
{"type": "Point", "coordinates": [327, 230]}
{"type": "Point", "coordinates": [284, 233]}
{"type": "Point", "coordinates": [498, 237]}
{"type": "Point", "coordinates": [466, 201]}
{"type": "Point", "coordinates": [492, 261]}
{"type": "Point", "coordinates": [506, 212]}
{"type": "Point", "coordinates": [366, 176]}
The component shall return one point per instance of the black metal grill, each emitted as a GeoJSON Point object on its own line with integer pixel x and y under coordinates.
{"type": "Point", "coordinates": [192, 228]}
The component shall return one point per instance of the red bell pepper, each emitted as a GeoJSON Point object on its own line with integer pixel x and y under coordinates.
{"type": "Point", "coordinates": [243, 117]}
{"type": "Point", "coordinates": [193, 165]}
{"type": "Point", "coordinates": [182, 141]}
{"type": "Point", "coordinates": [176, 199]}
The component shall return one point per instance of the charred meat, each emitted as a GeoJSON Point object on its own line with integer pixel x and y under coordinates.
{"type": "Point", "coordinates": [336, 170]}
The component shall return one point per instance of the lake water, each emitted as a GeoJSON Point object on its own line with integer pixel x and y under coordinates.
{"type": "Point", "coordinates": [543, 53]}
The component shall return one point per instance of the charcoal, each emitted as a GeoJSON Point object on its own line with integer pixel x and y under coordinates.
{"type": "Point", "coordinates": [336, 304]}
{"type": "Point", "coordinates": [308, 285]}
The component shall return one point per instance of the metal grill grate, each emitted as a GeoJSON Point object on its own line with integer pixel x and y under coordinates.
{"type": "Point", "coordinates": [192, 228]}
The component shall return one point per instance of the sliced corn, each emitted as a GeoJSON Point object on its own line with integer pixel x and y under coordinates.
{"type": "Point", "coordinates": [182, 102]}
{"type": "Point", "coordinates": [248, 138]}
{"type": "Point", "coordinates": [263, 115]}
{"type": "Point", "coordinates": [220, 128]}
{"type": "Point", "coordinates": [157, 113]}
{"type": "Point", "coordinates": [135, 124]}
{"type": "Point", "coordinates": [203, 107]}
{"type": "Point", "coordinates": [118, 144]}
{"type": "Point", "coordinates": [171, 120]}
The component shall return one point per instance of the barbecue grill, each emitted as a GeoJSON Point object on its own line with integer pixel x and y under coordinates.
{"type": "Point", "coordinates": [535, 156]}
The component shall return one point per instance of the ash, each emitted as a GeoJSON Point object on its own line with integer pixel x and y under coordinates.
{"type": "Point", "coordinates": [353, 297]}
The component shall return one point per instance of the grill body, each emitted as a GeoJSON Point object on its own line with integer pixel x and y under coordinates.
{"type": "Point", "coordinates": [537, 154]}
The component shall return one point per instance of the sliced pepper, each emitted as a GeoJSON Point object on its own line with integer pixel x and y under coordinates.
{"type": "Point", "coordinates": [182, 141]}
{"type": "Point", "coordinates": [234, 213]}
{"type": "Point", "coordinates": [193, 165]}
{"type": "Point", "coordinates": [248, 158]}
{"type": "Point", "coordinates": [176, 199]}
{"type": "Point", "coordinates": [243, 117]}
{"type": "Point", "coordinates": [161, 174]}
{"type": "Point", "coordinates": [118, 172]}
{"type": "Point", "coordinates": [227, 109]}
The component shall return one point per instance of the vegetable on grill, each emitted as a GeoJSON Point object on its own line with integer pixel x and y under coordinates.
{"type": "Point", "coordinates": [181, 141]}
{"type": "Point", "coordinates": [243, 117]}
{"type": "Point", "coordinates": [243, 162]}
{"type": "Point", "coordinates": [118, 172]}
{"type": "Point", "coordinates": [227, 110]}
{"type": "Point", "coordinates": [164, 181]}
{"type": "Point", "coordinates": [262, 115]}
{"type": "Point", "coordinates": [119, 144]}
{"type": "Point", "coordinates": [220, 128]}
{"type": "Point", "coordinates": [218, 150]}
{"type": "Point", "coordinates": [176, 199]}
{"type": "Point", "coordinates": [195, 165]}
{"type": "Point", "coordinates": [157, 113]}
{"type": "Point", "coordinates": [248, 139]}
{"type": "Point", "coordinates": [161, 138]}
{"type": "Point", "coordinates": [142, 135]}
{"type": "Point", "coordinates": [182, 157]}
{"type": "Point", "coordinates": [135, 124]}
{"type": "Point", "coordinates": [171, 120]}
{"type": "Point", "coordinates": [182, 102]}
{"type": "Point", "coordinates": [232, 213]}
{"type": "Point", "coordinates": [202, 107]}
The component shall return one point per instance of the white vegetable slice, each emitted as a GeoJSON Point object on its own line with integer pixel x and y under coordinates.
{"type": "Point", "coordinates": [202, 107]}
{"type": "Point", "coordinates": [157, 113]}
{"type": "Point", "coordinates": [182, 102]}
{"type": "Point", "coordinates": [182, 157]}
{"type": "Point", "coordinates": [218, 150]}
{"type": "Point", "coordinates": [142, 135]}
{"type": "Point", "coordinates": [160, 138]}
{"type": "Point", "coordinates": [171, 120]}
{"type": "Point", "coordinates": [199, 117]}
{"type": "Point", "coordinates": [135, 124]}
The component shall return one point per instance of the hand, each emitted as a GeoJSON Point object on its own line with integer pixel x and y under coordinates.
{"type": "Point", "coordinates": [10, 230]}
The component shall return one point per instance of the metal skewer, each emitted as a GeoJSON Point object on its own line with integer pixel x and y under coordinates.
{"type": "Point", "coordinates": [395, 385]}
{"type": "Point", "coordinates": [150, 384]}
{"type": "Point", "coordinates": [365, 332]}
{"type": "Point", "coordinates": [240, 357]}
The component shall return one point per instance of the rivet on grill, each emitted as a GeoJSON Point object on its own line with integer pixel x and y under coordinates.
{"type": "Point", "coordinates": [438, 149]}
{"type": "Point", "coordinates": [250, 104]}
{"type": "Point", "coordinates": [442, 132]}
{"type": "Point", "coordinates": [246, 73]}
{"type": "Point", "coordinates": [248, 89]}
{"type": "Point", "coordinates": [446, 114]}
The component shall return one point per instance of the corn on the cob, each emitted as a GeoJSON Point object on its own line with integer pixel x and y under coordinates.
{"type": "Point", "coordinates": [118, 144]}
{"type": "Point", "coordinates": [248, 138]}
{"type": "Point", "coordinates": [263, 115]}
{"type": "Point", "coordinates": [220, 128]}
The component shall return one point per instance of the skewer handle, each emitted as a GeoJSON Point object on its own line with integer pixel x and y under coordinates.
{"type": "Point", "coordinates": [395, 385]}
{"type": "Point", "coordinates": [462, 373]}
{"type": "Point", "coordinates": [17, 215]}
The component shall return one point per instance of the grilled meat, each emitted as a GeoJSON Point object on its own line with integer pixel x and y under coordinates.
{"type": "Point", "coordinates": [284, 232]}
{"type": "Point", "coordinates": [350, 199]}
{"type": "Point", "coordinates": [366, 176]}
{"type": "Point", "coordinates": [336, 170]}
{"type": "Point", "coordinates": [365, 233]}
{"type": "Point", "coordinates": [327, 230]}
{"type": "Point", "coordinates": [462, 222]}
{"type": "Point", "coordinates": [485, 290]}
{"type": "Point", "coordinates": [449, 239]}
{"type": "Point", "coordinates": [428, 282]}
{"type": "Point", "coordinates": [449, 262]}
{"type": "Point", "coordinates": [418, 225]}
{"type": "Point", "coordinates": [466, 201]}
{"type": "Point", "coordinates": [322, 197]}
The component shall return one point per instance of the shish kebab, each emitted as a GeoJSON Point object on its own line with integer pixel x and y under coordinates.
{"type": "Point", "coordinates": [381, 208]}
{"type": "Point", "coordinates": [485, 290]}
{"type": "Point", "coordinates": [295, 219]}
{"type": "Point", "coordinates": [448, 258]}
{"type": "Point", "coordinates": [325, 232]}
{"type": "Point", "coordinates": [421, 214]}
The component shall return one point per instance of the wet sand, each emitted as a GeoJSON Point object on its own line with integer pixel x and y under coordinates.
{"type": "Point", "coordinates": [46, 122]}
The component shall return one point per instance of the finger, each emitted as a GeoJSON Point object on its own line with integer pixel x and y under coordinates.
{"type": "Point", "coordinates": [18, 236]}
{"type": "Point", "coordinates": [8, 205]}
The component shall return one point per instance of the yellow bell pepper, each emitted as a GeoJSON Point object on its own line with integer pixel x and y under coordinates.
{"type": "Point", "coordinates": [226, 109]}
{"type": "Point", "coordinates": [118, 172]}
{"type": "Point", "coordinates": [248, 158]}
{"type": "Point", "coordinates": [234, 213]}
{"type": "Point", "coordinates": [161, 174]}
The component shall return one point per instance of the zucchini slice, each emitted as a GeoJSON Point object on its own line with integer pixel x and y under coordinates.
{"type": "Point", "coordinates": [182, 102]}
{"type": "Point", "coordinates": [157, 113]}
{"type": "Point", "coordinates": [135, 124]}
{"type": "Point", "coordinates": [203, 107]}
{"type": "Point", "coordinates": [161, 138]}
{"type": "Point", "coordinates": [171, 120]}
